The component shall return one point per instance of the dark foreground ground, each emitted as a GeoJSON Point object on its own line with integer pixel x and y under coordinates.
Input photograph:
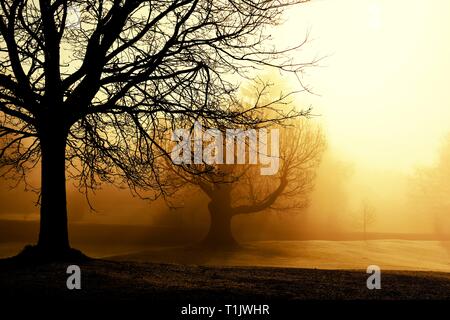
{"type": "Point", "coordinates": [122, 280]}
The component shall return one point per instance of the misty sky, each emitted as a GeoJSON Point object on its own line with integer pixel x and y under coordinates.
{"type": "Point", "coordinates": [384, 95]}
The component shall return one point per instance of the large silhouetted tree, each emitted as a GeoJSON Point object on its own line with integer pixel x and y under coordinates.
{"type": "Point", "coordinates": [87, 87]}
{"type": "Point", "coordinates": [239, 189]}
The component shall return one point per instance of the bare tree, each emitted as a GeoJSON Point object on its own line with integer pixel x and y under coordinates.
{"type": "Point", "coordinates": [239, 189]}
{"type": "Point", "coordinates": [93, 95]}
{"type": "Point", "coordinates": [366, 217]}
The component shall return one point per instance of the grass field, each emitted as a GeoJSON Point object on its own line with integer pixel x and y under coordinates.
{"type": "Point", "coordinates": [103, 279]}
{"type": "Point", "coordinates": [283, 270]}
{"type": "Point", "coordinates": [387, 254]}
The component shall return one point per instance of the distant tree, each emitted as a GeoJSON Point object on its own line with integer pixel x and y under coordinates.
{"type": "Point", "coordinates": [367, 217]}
{"type": "Point", "coordinates": [91, 86]}
{"type": "Point", "coordinates": [430, 188]}
{"type": "Point", "coordinates": [238, 189]}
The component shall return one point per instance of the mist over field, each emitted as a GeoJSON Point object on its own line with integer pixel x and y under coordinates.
{"type": "Point", "coordinates": [327, 234]}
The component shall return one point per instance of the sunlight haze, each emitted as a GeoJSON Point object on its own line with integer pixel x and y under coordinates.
{"type": "Point", "coordinates": [382, 87]}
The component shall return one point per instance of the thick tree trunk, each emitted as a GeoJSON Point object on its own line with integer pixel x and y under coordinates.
{"type": "Point", "coordinates": [53, 234]}
{"type": "Point", "coordinates": [219, 234]}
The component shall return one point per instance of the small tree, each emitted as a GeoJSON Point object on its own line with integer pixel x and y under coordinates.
{"type": "Point", "coordinates": [92, 85]}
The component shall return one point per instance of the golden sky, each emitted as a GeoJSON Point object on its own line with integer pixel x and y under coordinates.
{"type": "Point", "coordinates": [383, 90]}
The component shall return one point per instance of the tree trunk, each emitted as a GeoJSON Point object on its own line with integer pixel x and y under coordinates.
{"type": "Point", "coordinates": [219, 234]}
{"type": "Point", "coordinates": [53, 234]}
{"type": "Point", "coordinates": [365, 231]}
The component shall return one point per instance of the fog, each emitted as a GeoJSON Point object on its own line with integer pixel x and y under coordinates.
{"type": "Point", "coordinates": [401, 204]}
{"type": "Point", "coordinates": [409, 222]}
